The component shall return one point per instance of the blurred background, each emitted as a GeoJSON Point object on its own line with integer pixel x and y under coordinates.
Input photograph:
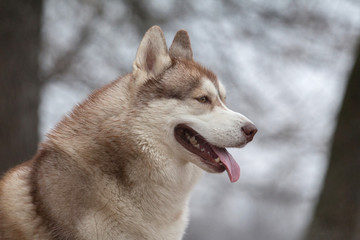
{"type": "Point", "coordinates": [291, 66]}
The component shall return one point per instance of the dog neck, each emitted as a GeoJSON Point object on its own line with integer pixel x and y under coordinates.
{"type": "Point", "coordinates": [123, 168]}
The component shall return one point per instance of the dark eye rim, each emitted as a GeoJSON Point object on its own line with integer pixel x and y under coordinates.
{"type": "Point", "coordinates": [203, 99]}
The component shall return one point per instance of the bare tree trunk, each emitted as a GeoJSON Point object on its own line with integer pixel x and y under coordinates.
{"type": "Point", "coordinates": [337, 212]}
{"type": "Point", "coordinates": [20, 23]}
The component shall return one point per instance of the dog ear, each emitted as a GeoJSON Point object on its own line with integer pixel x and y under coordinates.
{"type": "Point", "coordinates": [181, 46]}
{"type": "Point", "coordinates": [152, 56]}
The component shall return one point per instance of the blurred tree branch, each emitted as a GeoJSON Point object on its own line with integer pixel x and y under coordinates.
{"type": "Point", "coordinates": [143, 17]}
{"type": "Point", "coordinates": [66, 59]}
{"type": "Point", "coordinates": [338, 209]}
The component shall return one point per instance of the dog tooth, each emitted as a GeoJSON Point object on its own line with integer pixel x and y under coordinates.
{"type": "Point", "coordinates": [193, 140]}
{"type": "Point", "coordinates": [203, 150]}
{"type": "Point", "coordinates": [217, 160]}
{"type": "Point", "coordinates": [197, 146]}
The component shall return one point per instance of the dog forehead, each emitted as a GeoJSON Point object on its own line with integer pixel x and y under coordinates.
{"type": "Point", "coordinates": [222, 90]}
{"type": "Point", "coordinates": [183, 79]}
{"type": "Point", "coordinates": [209, 86]}
{"type": "Point", "coordinates": [213, 88]}
{"type": "Point", "coordinates": [195, 71]}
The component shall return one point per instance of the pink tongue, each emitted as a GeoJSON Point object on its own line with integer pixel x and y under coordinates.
{"type": "Point", "coordinates": [231, 165]}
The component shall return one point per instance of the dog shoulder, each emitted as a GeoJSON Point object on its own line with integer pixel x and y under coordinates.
{"type": "Point", "coordinates": [17, 210]}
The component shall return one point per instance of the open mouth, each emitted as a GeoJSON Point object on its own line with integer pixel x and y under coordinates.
{"type": "Point", "coordinates": [216, 158]}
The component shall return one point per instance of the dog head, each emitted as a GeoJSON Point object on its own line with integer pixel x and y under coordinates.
{"type": "Point", "coordinates": [181, 105]}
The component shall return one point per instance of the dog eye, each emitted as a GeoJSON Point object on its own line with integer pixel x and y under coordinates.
{"type": "Point", "coordinates": [203, 99]}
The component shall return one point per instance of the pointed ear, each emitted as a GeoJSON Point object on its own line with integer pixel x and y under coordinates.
{"type": "Point", "coordinates": [152, 56]}
{"type": "Point", "coordinates": [181, 46]}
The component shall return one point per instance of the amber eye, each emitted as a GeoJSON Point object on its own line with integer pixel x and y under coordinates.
{"type": "Point", "coordinates": [203, 99]}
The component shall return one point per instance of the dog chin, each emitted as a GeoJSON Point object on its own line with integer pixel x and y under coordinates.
{"type": "Point", "coordinates": [241, 145]}
{"type": "Point", "coordinates": [206, 166]}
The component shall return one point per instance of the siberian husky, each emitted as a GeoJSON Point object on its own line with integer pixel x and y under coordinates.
{"type": "Point", "coordinates": [123, 163]}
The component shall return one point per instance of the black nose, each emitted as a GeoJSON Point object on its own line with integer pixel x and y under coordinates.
{"type": "Point", "coordinates": [249, 130]}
